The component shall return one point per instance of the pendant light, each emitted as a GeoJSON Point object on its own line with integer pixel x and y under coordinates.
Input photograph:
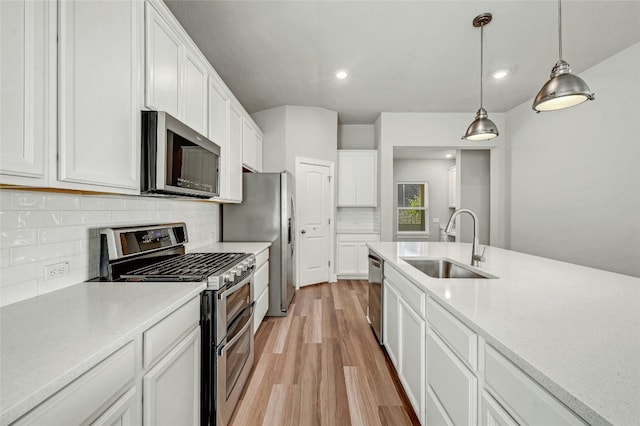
{"type": "Point", "coordinates": [481, 128]}
{"type": "Point", "coordinates": [563, 90]}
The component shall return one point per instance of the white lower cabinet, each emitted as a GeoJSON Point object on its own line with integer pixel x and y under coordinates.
{"type": "Point", "coordinates": [451, 382]}
{"type": "Point", "coordinates": [261, 288]}
{"type": "Point", "coordinates": [154, 379]}
{"type": "Point", "coordinates": [90, 395]}
{"type": "Point", "coordinates": [352, 254]}
{"type": "Point", "coordinates": [404, 340]}
{"type": "Point", "coordinates": [171, 389]}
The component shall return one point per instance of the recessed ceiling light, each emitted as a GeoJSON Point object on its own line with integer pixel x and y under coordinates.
{"type": "Point", "coordinates": [448, 155]}
{"type": "Point", "coordinates": [342, 75]}
{"type": "Point", "coordinates": [500, 74]}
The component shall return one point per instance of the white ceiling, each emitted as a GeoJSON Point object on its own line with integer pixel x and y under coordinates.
{"type": "Point", "coordinates": [402, 56]}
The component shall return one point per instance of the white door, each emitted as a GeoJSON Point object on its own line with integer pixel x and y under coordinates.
{"type": "Point", "coordinates": [313, 187]}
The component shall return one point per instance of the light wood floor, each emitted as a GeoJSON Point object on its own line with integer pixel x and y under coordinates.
{"type": "Point", "coordinates": [321, 365]}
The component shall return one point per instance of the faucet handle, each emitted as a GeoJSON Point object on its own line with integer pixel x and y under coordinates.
{"type": "Point", "coordinates": [480, 257]}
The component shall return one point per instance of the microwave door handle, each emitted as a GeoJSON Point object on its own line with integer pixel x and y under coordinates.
{"type": "Point", "coordinates": [231, 342]}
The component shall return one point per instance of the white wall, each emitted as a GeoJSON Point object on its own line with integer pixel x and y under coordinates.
{"type": "Point", "coordinates": [272, 122]}
{"type": "Point", "coordinates": [438, 130]}
{"type": "Point", "coordinates": [291, 131]}
{"type": "Point", "coordinates": [355, 136]}
{"type": "Point", "coordinates": [473, 171]}
{"type": "Point", "coordinates": [436, 172]}
{"type": "Point", "coordinates": [43, 228]}
{"type": "Point", "coordinates": [575, 173]}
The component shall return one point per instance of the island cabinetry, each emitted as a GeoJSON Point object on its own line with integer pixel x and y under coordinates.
{"type": "Point", "coordinates": [357, 178]}
{"type": "Point", "coordinates": [261, 288]}
{"type": "Point", "coordinates": [404, 335]}
{"type": "Point", "coordinates": [352, 255]}
{"type": "Point", "coordinates": [521, 397]}
{"type": "Point", "coordinates": [452, 350]}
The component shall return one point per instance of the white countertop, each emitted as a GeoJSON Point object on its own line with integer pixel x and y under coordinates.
{"type": "Point", "coordinates": [232, 247]}
{"type": "Point", "coordinates": [50, 340]}
{"type": "Point", "coordinates": [575, 330]}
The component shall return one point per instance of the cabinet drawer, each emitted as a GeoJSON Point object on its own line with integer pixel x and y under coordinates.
{"type": "Point", "coordinates": [262, 258]}
{"type": "Point", "coordinates": [458, 336]}
{"type": "Point", "coordinates": [87, 395]}
{"type": "Point", "coordinates": [260, 280]}
{"type": "Point", "coordinates": [521, 396]}
{"type": "Point", "coordinates": [451, 381]}
{"type": "Point", "coordinates": [162, 336]}
{"type": "Point", "coordinates": [412, 294]}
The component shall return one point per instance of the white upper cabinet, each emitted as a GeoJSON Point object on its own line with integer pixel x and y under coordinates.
{"type": "Point", "coordinates": [99, 94]}
{"type": "Point", "coordinates": [251, 146]}
{"type": "Point", "coordinates": [357, 178]}
{"type": "Point", "coordinates": [176, 79]}
{"type": "Point", "coordinates": [235, 154]}
{"type": "Point", "coordinates": [452, 187]}
{"type": "Point", "coordinates": [27, 34]}
{"type": "Point", "coordinates": [219, 131]}
{"type": "Point", "coordinates": [194, 102]}
{"type": "Point", "coordinates": [163, 64]}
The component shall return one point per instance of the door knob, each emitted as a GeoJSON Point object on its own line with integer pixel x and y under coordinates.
{"type": "Point", "coordinates": [303, 231]}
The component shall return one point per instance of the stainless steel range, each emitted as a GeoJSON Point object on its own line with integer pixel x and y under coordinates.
{"type": "Point", "coordinates": [157, 253]}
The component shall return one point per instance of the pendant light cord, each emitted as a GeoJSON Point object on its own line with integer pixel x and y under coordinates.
{"type": "Point", "coordinates": [481, 59]}
{"type": "Point", "coordinates": [560, 29]}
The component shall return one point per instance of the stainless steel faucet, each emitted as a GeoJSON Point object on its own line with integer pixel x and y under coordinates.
{"type": "Point", "coordinates": [476, 257]}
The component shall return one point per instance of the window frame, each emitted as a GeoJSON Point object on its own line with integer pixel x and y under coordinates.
{"type": "Point", "coordinates": [425, 185]}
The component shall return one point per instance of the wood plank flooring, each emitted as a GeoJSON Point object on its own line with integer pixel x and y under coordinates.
{"type": "Point", "coordinates": [321, 365]}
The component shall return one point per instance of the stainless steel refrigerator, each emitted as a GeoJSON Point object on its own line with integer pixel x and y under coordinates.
{"type": "Point", "coordinates": [267, 213]}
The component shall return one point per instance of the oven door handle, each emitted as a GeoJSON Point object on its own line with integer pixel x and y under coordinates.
{"type": "Point", "coordinates": [231, 342]}
{"type": "Point", "coordinates": [235, 287]}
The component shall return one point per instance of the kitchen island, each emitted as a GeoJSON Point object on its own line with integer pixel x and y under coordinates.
{"type": "Point", "coordinates": [574, 330]}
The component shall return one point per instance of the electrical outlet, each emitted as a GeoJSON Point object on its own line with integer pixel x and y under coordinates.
{"type": "Point", "coordinates": [58, 270]}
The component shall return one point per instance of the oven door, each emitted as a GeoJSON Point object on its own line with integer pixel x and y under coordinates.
{"type": "Point", "coordinates": [233, 365]}
{"type": "Point", "coordinates": [231, 302]}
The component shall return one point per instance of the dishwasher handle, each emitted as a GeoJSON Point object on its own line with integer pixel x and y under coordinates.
{"type": "Point", "coordinates": [374, 261]}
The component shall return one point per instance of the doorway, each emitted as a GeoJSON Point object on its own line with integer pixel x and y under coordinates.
{"type": "Point", "coordinates": [315, 221]}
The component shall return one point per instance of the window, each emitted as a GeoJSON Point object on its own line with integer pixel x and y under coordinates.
{"type": "Point", "coordinates": [413, 207]}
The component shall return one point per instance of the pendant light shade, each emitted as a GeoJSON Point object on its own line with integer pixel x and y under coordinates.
{"type": "Point", "coordinates": [481, 128]}
{"type": "Point", "coordinates": [563, 90]}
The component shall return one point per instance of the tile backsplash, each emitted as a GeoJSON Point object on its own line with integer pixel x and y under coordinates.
{"type": "Point", "coordinates": [357, 219]}
{"type": "Point", "coordinates": [44, 228]}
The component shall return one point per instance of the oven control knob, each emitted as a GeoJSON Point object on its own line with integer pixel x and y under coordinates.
{"type": "Point", "coordinates": [228, 277]}
{"type": "Point", "coordinates": [245, 265]}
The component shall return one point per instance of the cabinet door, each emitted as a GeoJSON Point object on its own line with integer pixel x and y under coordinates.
{"type": "Point", "coordinates": [257, 159]}
{"type": "Point", "coordinates": [193, 95]}
{"type": "Point", "coordinates": [219, 130]}
{"type": "Point", "coordinates": [123, 412]}
{"type": "Point", "coordinates": [412, 356]}
{"type": "Point", "coordinates": [26, 28]}
{"type": "Point", "coordinates": [163, 64]}
{"type": "Point", "coordinates": [452, 187]}
{"type": "Point", "coordinates": [363, 259]}
{"type": "Point", "coordinates": [248, 147]}
{"type": "Point", "coordinates": [366, 192]}
{"type": "Point", "coordinates": [235, 154]}
{"type": "Point", "coordinates": [171, 389]}
{"type": "Point", "coordinates": [493, 414]}
{"type": "Point", "coordinates": [348, 258]}
{"type": "Point", "coordinates": [451, 381]}
{"type": "Point", "coordinates": [99, 89]}
{"type": "Point", "coordinates": [390, 322]}
{"type": "Point", "coordinates": [347, 167]}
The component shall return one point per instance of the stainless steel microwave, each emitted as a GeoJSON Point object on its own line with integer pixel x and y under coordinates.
{"type": "Point", "coordinates": [177, 160]}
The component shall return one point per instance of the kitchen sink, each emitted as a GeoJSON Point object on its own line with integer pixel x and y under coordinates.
{"type": "Point", "coordinates": [443, 268]}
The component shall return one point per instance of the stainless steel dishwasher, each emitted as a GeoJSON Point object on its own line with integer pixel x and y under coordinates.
{"type": "Point", "coordinates": [375, 294]}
